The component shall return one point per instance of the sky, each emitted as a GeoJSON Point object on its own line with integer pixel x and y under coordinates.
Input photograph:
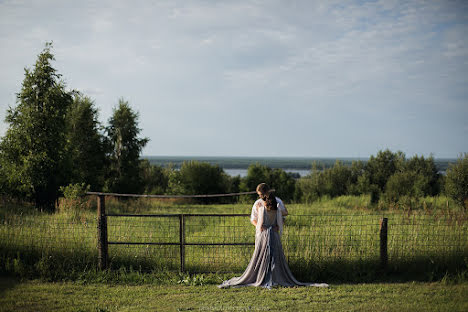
{"type": "Point", "coordinates": [258, 78]}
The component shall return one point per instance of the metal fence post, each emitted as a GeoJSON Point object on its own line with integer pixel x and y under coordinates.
{"type": "Point", "coordinates": [182, 241]}
{"type": "Point", "coordinates": [102, 232]}
{"type": "Point", "coordinates": [383, 243]}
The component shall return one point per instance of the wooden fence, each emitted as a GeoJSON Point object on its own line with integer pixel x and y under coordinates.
{"type": "Point", "coordinates": [103, 239]}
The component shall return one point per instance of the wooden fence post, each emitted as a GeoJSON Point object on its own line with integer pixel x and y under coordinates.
{"type": "Point", "coordinates": [383, 243]}
{"type": "Point", "coordinates": [182, 241]}
{"type": "Point", "coordinates": [102, 233]}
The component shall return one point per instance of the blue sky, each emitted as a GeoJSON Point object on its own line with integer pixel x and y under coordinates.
{"type": "Point", "coordinates": [258, 78]}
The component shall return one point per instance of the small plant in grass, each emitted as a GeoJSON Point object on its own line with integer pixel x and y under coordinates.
{"type": "Point", "coordinates": [74, 202]}
{"type": "Point", "coordinates": [199, 279]}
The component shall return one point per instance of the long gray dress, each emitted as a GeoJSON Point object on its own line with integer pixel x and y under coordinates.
{"type": "Point", "coordinates": [268, 266]}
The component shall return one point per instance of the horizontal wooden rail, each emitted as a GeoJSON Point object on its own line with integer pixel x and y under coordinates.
{"type": "Point", "coordinates": [178, 214]}
{"type": "Point", "coordinates": [170, 196]}
{"type": "Point", "coordinates": [177, 244]}
{"type": "Point", "coordinates": [138, 243]}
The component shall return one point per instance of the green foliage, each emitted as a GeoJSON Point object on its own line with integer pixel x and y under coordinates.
{"type": "Point", "coordinates": [32, 157]}
{"type": "Point", "coordinates": [155, 178]}
{"type": "Point", "coordinates": [310, 188]}
{"type": "Point", "coordinates": [193, 280]}
{"type": "Point", "coordinates": [74, 191]}
{"type": "Point", "coordinates": [85, 144]}
{"type": "Point", "coordinates": [427, 181]}
{"type": "Point", "coordinates": [335, 181]}
{"type": "Point", "coordinates": [282, 182]}
{"type": "Point", "coordinates": [390, 174]}
{"type": "Point", "coordinates": [400, 184]}
{"type": "Point", "coordinates": [196, 177]}
{"type": "Point", "coordinates": [415, 178]}
{"type": "Point", "coordinates": [379, 169]}
{"type": "Point", "coordinates": [74, 204]}
{"type": "Point", "coordinates": [125, 147]}
{"type": "Point", "coordinates": [456, 184]}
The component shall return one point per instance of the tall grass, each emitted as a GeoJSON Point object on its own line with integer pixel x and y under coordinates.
{"type": "Point", "coordinates": [330, 240]}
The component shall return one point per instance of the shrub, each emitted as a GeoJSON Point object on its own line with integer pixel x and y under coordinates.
{"type": "Point", "coordinates": [456, 182]}
{"type": "Point", "coordinates": [280, 180]}
{"type": "Point", "coordinates": [155, 178]}
{"type": "Point", "coordinates": [74, 202]}
{"type": "Point", "coordinates": [196, 177]}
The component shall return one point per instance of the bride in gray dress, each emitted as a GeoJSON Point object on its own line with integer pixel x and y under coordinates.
{"type": "Point", "coordinates": [268, 266]}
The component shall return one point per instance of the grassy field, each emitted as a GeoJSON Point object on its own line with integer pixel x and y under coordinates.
{"type": "Point", "coordinates": [334, 240]}
{"type": "Point", "coordinates": [66, 296]}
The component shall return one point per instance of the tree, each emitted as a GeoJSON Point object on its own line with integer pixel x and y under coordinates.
{"type": "Point", "coordinates": [85, 144]}
{"type": "Point", "coordinates": [155, 178]}
{"type": "Point", "coordinates": [282, 182]}
{"type": "Point", "coordinates": [32, 151]}
{"type": "Point", "coordinates": [311, 187]}
{"type": "Point", "coordinates": [125, 147]}
{"type": "Point", "coordinates": [456, 182]}
{"type": "Point", "coordinates": [427, 175]}
{"type": "Point", "coordinates": [378, 170]}
{"type": "Point", "coordinates": [402, 184]}
{"type": "Point", "coordinates": [334, 181]}
{"type": "Point", "coordinates": [256, 174]}
{"type": "Point", "coordinates": [197, 177]}
{"type": "Point", "coordinates": [414, 178]}
{"type": "Point", "coordinates": [383, 166]}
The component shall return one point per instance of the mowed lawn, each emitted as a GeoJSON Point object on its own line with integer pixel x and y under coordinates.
{"type": "Point", "coordinates": [68, 296]}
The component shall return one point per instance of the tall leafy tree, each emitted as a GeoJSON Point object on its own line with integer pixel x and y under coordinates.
{"type": "Point", "coordinates": [32, 151]}
{"type": "Point", "coordinates": [85, 144]}
{"type": "Point", "coordinates": [125, 146]}
{"type": "Point", "coordinates": [378, 170]}
{"type": "Point", "coordinates": [381, 167]}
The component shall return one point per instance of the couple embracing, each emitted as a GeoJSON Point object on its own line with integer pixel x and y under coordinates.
{"type": "Point", "coordinates": [268, 266]}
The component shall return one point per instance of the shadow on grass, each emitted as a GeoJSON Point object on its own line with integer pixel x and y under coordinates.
{"type": "Point", "coordinates": [422, 268]}
{"type": "Point", "coordinates": [7, 282]}
{"type": "Point", "coordinates": [81, 265]}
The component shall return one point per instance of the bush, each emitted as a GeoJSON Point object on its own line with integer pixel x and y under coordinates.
{"type": "Point", "coordinates": [198, 178]}
{"type": "Point", "coordinates": [332, 182]}
{"type": "Point", "coordinates": [280, 180]}
{"type": "Point", "coordinates": [416, 178]}
{"type": "Point", "coordinates": [381, 167]}
{"type": "Point", "coordinates": [456, 182]}
{"type": "Point", "coordinates": [155, 178]}
{"type": "Point", "coordinates": [74, 202]}
{"type": "Point", "coordinates": [401, 184]}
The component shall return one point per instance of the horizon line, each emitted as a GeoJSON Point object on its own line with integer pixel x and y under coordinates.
{"type": "Point", "coordinates": [290, 157]}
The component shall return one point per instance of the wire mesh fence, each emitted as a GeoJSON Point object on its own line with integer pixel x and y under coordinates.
{"type": "Point", "coordinates": [36, 239]}
{"type": "Point", "coordinates": [432, 237]}
{"type": "Point", "coordinates": [224, 243]}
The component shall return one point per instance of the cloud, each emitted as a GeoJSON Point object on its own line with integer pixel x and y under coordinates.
{"type": "Point", "coordinates": [302, 59]}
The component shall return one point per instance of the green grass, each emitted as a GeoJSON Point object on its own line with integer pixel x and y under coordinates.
{"type": "Point", "coordinates": [330, 240]}
{"type": "Point", "coordinates": [42, 296]}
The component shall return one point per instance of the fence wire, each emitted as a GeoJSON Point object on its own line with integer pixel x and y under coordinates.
{"type": "Point", "coordinates": [70, 240]}
{"type": "Point", "coordinates": [214, 243]}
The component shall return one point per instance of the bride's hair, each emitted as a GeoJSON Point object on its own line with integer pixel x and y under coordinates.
{"type": "Point", "coordinates": [267, 196]}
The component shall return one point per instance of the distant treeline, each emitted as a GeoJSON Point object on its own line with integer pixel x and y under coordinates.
{"type": "Point", "coordinates": [302, 163]}
{"type": "Point", "coordinates": [389, 177]}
